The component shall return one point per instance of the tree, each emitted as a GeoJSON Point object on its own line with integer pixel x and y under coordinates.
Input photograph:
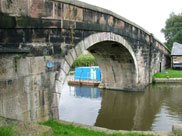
{"type": "Point", "coordinates": [173, 30]}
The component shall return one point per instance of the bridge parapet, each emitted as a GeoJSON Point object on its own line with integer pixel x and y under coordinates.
{"type": "Point", "coordinates": [71, 14]}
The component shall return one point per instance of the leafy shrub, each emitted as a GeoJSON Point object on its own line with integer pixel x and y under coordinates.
{"type": "Point", "coordinates": [84, 60]}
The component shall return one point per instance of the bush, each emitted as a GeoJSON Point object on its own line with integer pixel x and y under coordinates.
{"type": "Point", "coordinates": [84, 60]}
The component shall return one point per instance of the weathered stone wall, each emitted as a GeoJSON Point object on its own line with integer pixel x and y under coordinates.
{"type": "Point", "coordinates": [25, 85]}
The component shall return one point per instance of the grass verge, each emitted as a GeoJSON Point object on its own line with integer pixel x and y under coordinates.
{"type": "Point", "coordinates": [169, 74]}
{"type": "Point", "coordinates": [61, 129]}
{"type": "Point", "coordinates": [8, 131]}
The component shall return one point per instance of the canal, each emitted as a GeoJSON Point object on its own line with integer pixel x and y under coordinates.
{"type": "Point", "coordinates": [157, 108]}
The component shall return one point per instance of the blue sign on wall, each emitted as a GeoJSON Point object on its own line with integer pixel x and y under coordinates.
{"type": "Point", "coordinates": [50, 64]}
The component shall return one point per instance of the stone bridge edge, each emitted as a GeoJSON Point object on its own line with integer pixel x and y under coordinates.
{"type": "Point", "coordinates": [109, 12]}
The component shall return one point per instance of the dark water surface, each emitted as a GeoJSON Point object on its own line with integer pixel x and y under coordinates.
{"type": "Point", "coordinates": [157, 108]}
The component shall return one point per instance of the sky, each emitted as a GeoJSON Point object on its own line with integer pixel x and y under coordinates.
{"type": "Point", "coordinates": [149, 14]}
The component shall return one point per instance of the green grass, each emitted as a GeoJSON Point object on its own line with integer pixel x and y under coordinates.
{"type": "Point", "coordinates": [176, 135]}
{"type": "Point", "coordinates": [8, 131]}
{"type": "Point", "coordinates": [84, 60]}
{"type": "Point", "coordinates": [169, 74]}
{"type": "Point", "coordinates": [61, 129]}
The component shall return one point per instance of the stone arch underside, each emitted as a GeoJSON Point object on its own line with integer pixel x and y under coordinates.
{"type": "Point", "coordinates": [116, 60]}
{"type": "Point", "coordinates": [117, 65]}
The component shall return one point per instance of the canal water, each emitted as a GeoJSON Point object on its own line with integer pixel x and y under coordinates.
{"type": "Point", "coordinates": [157, 108]}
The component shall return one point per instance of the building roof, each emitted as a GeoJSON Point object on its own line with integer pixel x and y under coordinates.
{"type": "Point", "coordinates": [177, 49]}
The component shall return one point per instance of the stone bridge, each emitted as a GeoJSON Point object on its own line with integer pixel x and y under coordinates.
{"type": "Point", "coordinates": [36, 32]}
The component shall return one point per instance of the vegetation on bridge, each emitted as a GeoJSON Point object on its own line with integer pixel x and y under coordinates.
{"type": "Point", "coordinates": [173, 30]}
{"type": "Point", "coordinates": [61, 129]}
{"type": "Point", "coordinates": [84, 60]}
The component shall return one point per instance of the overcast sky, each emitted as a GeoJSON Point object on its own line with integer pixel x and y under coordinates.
{"type": "Point", "coordinates": [149, 14]}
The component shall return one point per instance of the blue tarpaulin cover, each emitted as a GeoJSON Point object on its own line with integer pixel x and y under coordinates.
{"type": "Point", "coordinates": [88, 73]}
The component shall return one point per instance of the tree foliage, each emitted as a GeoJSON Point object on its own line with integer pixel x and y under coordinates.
{"type": "Point", "coordinates": [173, 29]}
{"type": "Point", "coordinates": [84, 60]}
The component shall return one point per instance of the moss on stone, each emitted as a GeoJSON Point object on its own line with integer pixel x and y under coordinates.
{"type": "Point", "coordinates": [2, 67]}
{"type": "Point", "coordinates": [16, 62]}
{"type": "Point", "coordinates": [7, 21]}
{"type": "Point", "coordinates": [25, 21]}
{"type": "Point", "coordinates": [8, 3]}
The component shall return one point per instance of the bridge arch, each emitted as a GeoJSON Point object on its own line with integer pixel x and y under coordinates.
{"type": "Point", "coordinates": [115, 58]}
{"type": "Point", "coordinates": [90, 43]}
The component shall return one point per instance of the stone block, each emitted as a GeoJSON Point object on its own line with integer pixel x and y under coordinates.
{"type": "Point", "coordinates": [177, 129]}
{"type": "Point", "coordinates": [13, 87]}
{"type": "Point", "coordinates": [58, 10]}
{"type": "Point", "coordinates": [102, 20]}
{"type": "Point", "coordinates": [88, 42]}
{"type": "Point", "coordinates": [36, 83]}
{"type": "Point", "coordinates": [90, 16]}
{"type": "Point", "coordinates": [10, 107]}
{"type": "Point", "coordinates": [7, 68]}
{"type": "Point", "coordinates": [80, 48]}
{"type": "Point", "coordinates": [46, 96]}
{"type": "Point", "coordinates": [73, 53]}
{"type": "Point", "coordinates": [67, 24]}
{"type": "Point", "coordinates": [69, 58]}
{"type": "Point", "coordinates": [55, 113]}
{"type": "Point", "coordinates": [79, 14]}
{"type": "Point", "coordinates": [1, 107]}
{"type": "Point", "coordinates": [34, 101]}
{"type": "Point", "coordinates": [110, 21]}
{"type": "Point", "coordinates": [55, 100]}
{"type": "Point", "coordinates": [59, 87]}
{"type": "Point", "coordinates": [28, 82]}
{"type": "Point", "coordinates": [52, 79]}
{"type": "Point", "coordinates": [40, 8]}
{"type": "Point", "coordinates": [22, 103]}
{"type": "Point", "coordinates": [23, 67]}
{"type": "Point", "coordinates": [40, 64]}
{"type": "Point", "coordinates": [62, 76]}
{"type": "Point", "coordinates": [43, 113]}
{"type": "Point", "coordinates": [119, 24]}
{"type": "Point", "coordinates": [73, 13]}
{"type": "Point", "coordinates": [17, 7]}
{"type": "Point", "coordinates": [25, 116]}
{"type": "Point", "coordinates": [65, 66]}
{"type": "Point", "coordinates": [95, 39]}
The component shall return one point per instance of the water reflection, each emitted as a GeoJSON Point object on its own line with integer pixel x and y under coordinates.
{"type": "Point", "coordinates": [87, 92]}
{"type": "Point", "coordinates": [157, 108]}
{"type": "Point", "coordinates": [80, 105]}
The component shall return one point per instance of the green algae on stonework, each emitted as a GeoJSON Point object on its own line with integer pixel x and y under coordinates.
{"type": "Point", "coordinates": [169, 74]}
{"type": "Point", "coordinates": [7, 21]}
{"type": "Point", "coordinates": [61, 129]}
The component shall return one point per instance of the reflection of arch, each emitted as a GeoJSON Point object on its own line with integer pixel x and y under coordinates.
{"type": "Point", "coordinates": [89, 42]}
